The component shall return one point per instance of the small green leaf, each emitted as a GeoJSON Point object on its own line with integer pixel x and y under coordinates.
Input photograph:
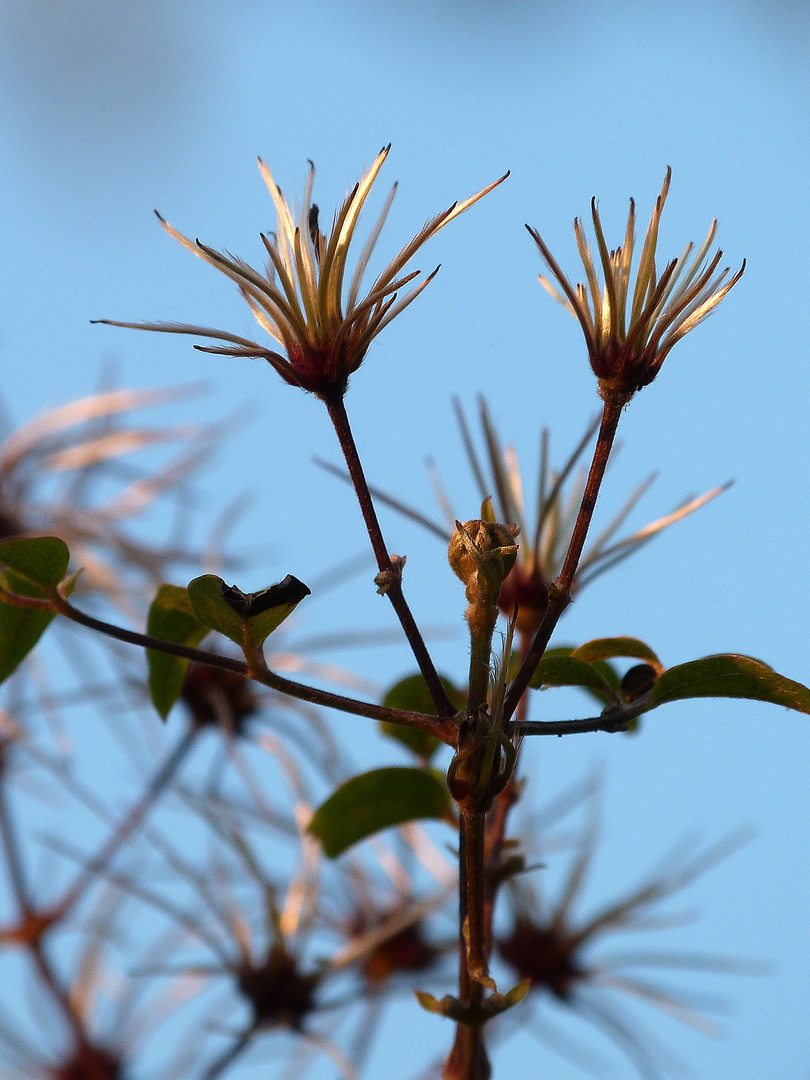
{"type": "Point", "coordinates": [606, 669]}
{"type": "Point", "coordinates": [557, 670]}
{"type": "Point", "coordinates": [733, 676]}
{"type": "Point", "coordinates": [377, 800]}
{"type": "Point", "coordinates": [246, 618]}
{"type": "Point", "coordinates": [608, 648]}
{"type": "Point", "coordinates": [39, 560]}
{"type": "Point", "coordinates": [21, 628]}
{"type": "Point", "coordinates": [412, 695]}
{"type": "Point", "coordinates": [518, 993]}
{"type": "Point", "coordinates": [171, 618]}
{"type": "Point", "coordinates": [448, 1006]}
{"type": "Point", "coordinates": [500, 1003]}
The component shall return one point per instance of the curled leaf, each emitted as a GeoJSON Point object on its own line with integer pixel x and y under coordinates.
{"type": "Point", "coordinates": [246, 618]}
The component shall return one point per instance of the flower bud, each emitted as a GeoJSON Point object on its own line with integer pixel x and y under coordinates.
{"type": "Point", "coordinates": [482, 553]}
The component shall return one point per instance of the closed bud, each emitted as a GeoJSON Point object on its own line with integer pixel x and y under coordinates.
{"type": "Point", "coordinates": [482, 553]}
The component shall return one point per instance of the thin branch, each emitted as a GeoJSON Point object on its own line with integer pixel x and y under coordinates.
{"type": "Point", "coordinates": [393, 585]}
{"type": "Point", "coordinates": [560, 593]}
{"type": "Point", "coordinates": [444, 729]}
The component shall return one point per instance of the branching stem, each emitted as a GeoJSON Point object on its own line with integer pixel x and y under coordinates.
{"type": "Point", "coordinates": [444, 729]}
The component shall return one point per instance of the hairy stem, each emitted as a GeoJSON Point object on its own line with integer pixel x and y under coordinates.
{"type": "Point", "coordinates": [481, 620]}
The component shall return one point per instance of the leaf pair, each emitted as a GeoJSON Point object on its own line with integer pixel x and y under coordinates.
{"type": "Point", "coordinates": [34, 567]}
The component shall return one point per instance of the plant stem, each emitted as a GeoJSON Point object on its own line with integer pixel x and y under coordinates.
{"type": "Point", "coordinates": [617, 719]}
{"type": "Point", "coordinates": [444, 730]}
{"type": "Point", "coordinates": [468, 1057]}
{"type": "Point", "coordinates": [560, 593]}
{"type": "Point", "coordinates": [340, 422]}
{"type": "Point", "coordinates": [482, 621]}
{"type": "Point", "coordinates": [28, 913]}
{"type": "Point", "coordinates": [473, 845]}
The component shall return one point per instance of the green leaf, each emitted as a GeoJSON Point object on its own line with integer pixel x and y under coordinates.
{"type": "Point", "coordinates": [412, 695]}
{"type": "Point", "coordinates": [171, 618]}
{"type": "Point", "coordinates": [729, 675]}
{"type": "Point", "coordinates": [39, 560]}
{"type": "Point", "coordinates": [606, 669]}
{"type": "Point", "coordinates": [607, 648]}
{"type": "Point", "coordinates": [500, 1003]}
{"type": "Point", "coordinates": [377, 800]}
{"type": "Point", "coordinates": [209, 607]}
{"type": "Point", "coordinates": [246, 618]}
{"type": "Point", "coordinates": [448, 1006]}
{"type": "Point", "coordinates": [21, 628]}
{"type": "Point", "coordinates": [558, 670]}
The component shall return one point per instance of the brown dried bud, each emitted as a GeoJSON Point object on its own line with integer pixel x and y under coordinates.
{"type": "Point", "coordinates": [386, 578]}
{"type": "Point", "coordinates": [215, 696]}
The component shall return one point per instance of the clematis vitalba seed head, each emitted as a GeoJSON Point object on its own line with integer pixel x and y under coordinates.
{"type": "Point", "coordinates": [630, 327]}
{"type": "Point", "coordinates": [303, 298]}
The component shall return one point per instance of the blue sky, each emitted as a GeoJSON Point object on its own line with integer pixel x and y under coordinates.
{"type": "Point", "coordinates": [107, 112]}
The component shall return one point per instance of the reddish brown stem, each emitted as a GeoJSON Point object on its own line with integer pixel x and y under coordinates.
{"type": "Point", "coordinates": [445, 730]}
{"type": "Point", "coordinates": [560, 593]}
{"type": "Point", "coordinates": [340, 422]}
{"type": "Point", "coordinates": [473, 835]}
{"type": "Point", "coordinates": [468, 1057]}
{"type": "Point", "coordinates": [28, 911]}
